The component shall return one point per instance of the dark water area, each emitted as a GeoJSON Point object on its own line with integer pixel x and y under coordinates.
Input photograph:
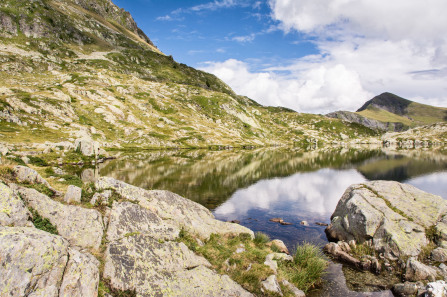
{"type": "Point", "coordinates": [254, 186]}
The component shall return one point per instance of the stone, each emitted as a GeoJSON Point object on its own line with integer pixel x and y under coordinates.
{"type": "Point", "coordinates": [4, 150]}
{"type": "Point", "coordinates": [80, 226]}
{"type": "Point", "coordinates": [295, 291]}
{"type": "Point", "coordinates": [271, 284]}
{"type": "Point", "coordinates": [394, 215]}
{"type": "Point", "coordinates": [271, 263]}
{"type": "Point", "coordinates": [27, 175]}
{"type": "Point", "coordinates": [436, 289]}
{"type": "Point", "coordinates": [336, 251]}
{"type": "Point", "coordinates": [13, 211]}
{"type": "Point", "coordinates": [304, 223]}
{"type": "Point", "coordinates": [152, 267]}
{"type": "Point", "coordinates": [73, 194]}
{"type": "Point", "coordinates": [32, 262]}
{"type": "Point", "coordinates": [129, 218]}
{"type": "Point", "coordinates": [405, 289]}
{"type": "Point", "coordinates": [81, 276]}
{"type": "Point", "coordinates": [87, 146]}
{"type": "Point", "coordinates": [276, 220]}
{"type": "Point", "coordinates": [439, 254]}
{"type": "Point", "coordinates": [279, 245]}
{"type": "Point", "coordinates": [59, 171]}
{"type": "Point", "coordinates": [25, 160]}
{"type": "Point", "coordinates": [417, 271]}
{"type": "Point", "coordinates": [174, 209]}
{"type": "Point", "coordinates": [101, 198]}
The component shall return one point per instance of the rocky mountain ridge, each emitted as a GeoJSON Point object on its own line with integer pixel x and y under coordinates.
{"type": "Point", "coordinates": [388, 112]}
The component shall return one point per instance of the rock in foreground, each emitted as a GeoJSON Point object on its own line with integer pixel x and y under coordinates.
{"type": "Point", "coordinates": [394, 216]}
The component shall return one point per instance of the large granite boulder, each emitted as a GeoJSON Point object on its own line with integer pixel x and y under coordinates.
{"type": "Point", "coordinates": [13, 212]}
{"type": "Point", "coordinates": [392, 215]}
{"type": "Point", "coordinates": [152, 267]}
{"type": "Point", "coordinates": [173, 209]}
{"type": "Point", "coordinates": [87, 146]}
{"type": "Point", "coordinates": [80, 226]}
{"type": "Point", "coordinates": [32, 262]}
{"type": "Point", "coordinates": [81, 276]}
{"type": "Point", "coordinates": [28, 175]}
{"type": "Point", "coordinates": [36, 263]}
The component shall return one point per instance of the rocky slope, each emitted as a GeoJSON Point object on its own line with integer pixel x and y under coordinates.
{"type": "Point", "coordinates": [388, 227]}
{"type": "Point", "coordinates": [388, 112]}
{"type": "Point", "coordinates": [75, 68]}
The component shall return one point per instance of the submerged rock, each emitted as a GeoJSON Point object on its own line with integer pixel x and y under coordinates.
{"type": "Point", "coordinates": [393, 215]}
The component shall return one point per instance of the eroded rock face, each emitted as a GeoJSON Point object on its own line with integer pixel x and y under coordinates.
{"type": "Point", "coordinates": [32, 262]}
{"type": "Point", "coordinates": [81, 277]}
{"type": "Point", "coordinates": [174, 209]}
{"type": "Point", "coordinates": [152, 267]}
{"type": "Point", "coordinates": [80, 226]}
{"type": "Point", "coordinates": [12, 210]}
{"type": "Point", "coordinates": [128, 218]}
{"type": "Point", "coordinates": [393, 215]}
{"type": "Point", "coordinates": [27, 175]}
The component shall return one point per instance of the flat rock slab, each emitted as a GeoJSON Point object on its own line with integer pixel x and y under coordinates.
{"type": "Point", "coordinates": [152, 267]}
{"type": "Point", "coordinates": [394, 215]}
{"type": "Point", "coordinates": [128, 218]}
{"type": "Point", "coordinates": [12, 209]}
{"type": "Point", "coordinates": [174, 209]}
{"type": "Point", "coordinates": [80, 226]}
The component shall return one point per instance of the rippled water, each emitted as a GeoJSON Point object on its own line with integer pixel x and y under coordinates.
{"type": "Point", "coordinates": [255, 186]}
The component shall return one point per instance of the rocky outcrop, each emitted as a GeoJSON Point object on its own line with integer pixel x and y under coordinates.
{"type": "Point", "coordinates": [353, 117]}
{"type": "Point", "coordinates": [173, 209]}
{"type": "Point", "coordinates": [87, 146]}
{"type": "Point", "coordinates": [81, 276]}
{"type": "Point", "coordinates": [32, 262]}
{"type": "Point", "coordinates": [80, 226]}
{"type": "Point", "coordinates": [393, 216]}
{"type": "Point", "coordinates": [27, 175]}
{"type": "Point", "coordinates": [13, 212]}
{"type": "Point", "coordinates": [73, 194]}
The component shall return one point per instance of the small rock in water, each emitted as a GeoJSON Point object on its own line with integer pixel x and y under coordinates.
{"type": "Point", "coordinates": [276, 220]}
{"type": "Point", "coordinates": [285, 223]}
{"type": "Point", "coordinates": [304, 223]}
{"type": "Point", "coordinates": [321, 224]}
{"type": "Point", "coordinates": [235, 221]}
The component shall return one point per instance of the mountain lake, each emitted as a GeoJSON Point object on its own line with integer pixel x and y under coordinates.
{"type": "Point", "coordinates": [302, 188]}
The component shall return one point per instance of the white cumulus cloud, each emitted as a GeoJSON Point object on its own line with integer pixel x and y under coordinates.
{"type": "Point", "coordinates": [365, 48]}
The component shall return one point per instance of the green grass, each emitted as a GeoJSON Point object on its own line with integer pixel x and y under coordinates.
{"type": "Point", "coordinates": [42, 223]}
{"type": "Point", "coordinates": [248, 268]}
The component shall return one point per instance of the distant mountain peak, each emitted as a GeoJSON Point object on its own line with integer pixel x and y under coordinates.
{"type": "Point", "coordinates": [389, 102]}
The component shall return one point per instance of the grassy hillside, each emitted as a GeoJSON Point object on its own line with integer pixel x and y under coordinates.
{"type": "Point", "coordinates": [388, 107]}
{"type": "Point", "coordinates": [76, 67]}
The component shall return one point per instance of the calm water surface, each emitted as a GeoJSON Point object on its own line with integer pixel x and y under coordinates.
{"type": "Point", "coordinates": [253, 186]}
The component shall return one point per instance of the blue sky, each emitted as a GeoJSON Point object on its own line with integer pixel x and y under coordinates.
{"type": "Point", "coordinates": [309, 55]}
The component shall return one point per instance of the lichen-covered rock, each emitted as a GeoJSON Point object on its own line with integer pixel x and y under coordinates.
{"type": "Point", "coordinates": [439, 255]}
{"type": "Point", "coordinates": [405, 289]}
{"type": "Point", "coordinates": [87, 146]}
{"type": "Point", "coordinates": [73, 194]}
{"type": "Point", "coordinates": [271, 284]}
{"type": "Point", "coordinates": [417, 271]}
{"type": "Point", "coordinates": [81, 277]}
{"type": "Point", "coordinates": [174, 209]}
{"type": "Point", "coordinates": [279, 245]}
{"type": "Point", "coordinates": [13, 212]}
{"type": "Point", "coordinates": [27, 175]}
{"type": "Point", "coordinates": [393, 215]}
{"type": "Point", "coordinates": [32, 262]}
{"type": "Point", "coordinates": [129, 218]}
{"type": "Point", "coordinates": [436, 289]}
{"type": "Point", "coordinates": [153, 267]}
{"type": "Point", "coordinates": [80, 226]}
{"type": "Point", "coordinates": [101, 198]}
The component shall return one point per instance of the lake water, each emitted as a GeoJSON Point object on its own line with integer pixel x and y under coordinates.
{"type": "Point", "coordinates": [253, 186]}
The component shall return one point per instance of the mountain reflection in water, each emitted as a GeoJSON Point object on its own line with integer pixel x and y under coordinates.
{"type": "Point", "coordinates": [253, 186]}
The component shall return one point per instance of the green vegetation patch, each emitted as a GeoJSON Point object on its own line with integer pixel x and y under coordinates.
{"type": "Point", "coordinates": [247, 268]}
{"type": "Point", "coordinates": [41, 222]}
